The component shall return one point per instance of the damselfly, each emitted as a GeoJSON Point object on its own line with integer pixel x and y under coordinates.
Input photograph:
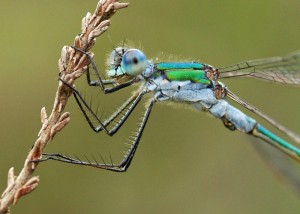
{"type": "Point", "coordinates": [194, 83]}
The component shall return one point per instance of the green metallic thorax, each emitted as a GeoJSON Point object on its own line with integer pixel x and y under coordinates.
{"type": "Point", "coordinates": [187, 74]}
{"type": "Point", "coordinates": [177, 71]}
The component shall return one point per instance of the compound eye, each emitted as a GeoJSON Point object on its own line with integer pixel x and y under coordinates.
{"type": "Point", "coordinates": [134, 62]}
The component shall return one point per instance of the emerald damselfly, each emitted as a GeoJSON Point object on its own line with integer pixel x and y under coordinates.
{"type": "Point", "coordinates": [194, 83]}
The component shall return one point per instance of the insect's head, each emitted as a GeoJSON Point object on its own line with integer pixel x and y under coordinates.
{"type": "Point", "coordinates": [130, 62]}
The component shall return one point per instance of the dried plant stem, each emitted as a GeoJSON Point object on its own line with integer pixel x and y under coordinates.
{"type": "Point", "coordinates": [72, 65]}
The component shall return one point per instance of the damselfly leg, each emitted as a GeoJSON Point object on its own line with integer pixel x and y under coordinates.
{"type": "Point", "coordinates": [126, 161]}
{"type": "Point", "coordinates": [102, 82]}
{"type": "Point", "coordinates": [125, 110]}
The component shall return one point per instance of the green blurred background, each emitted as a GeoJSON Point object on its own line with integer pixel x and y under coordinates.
{"type": "Point", "coordinates": [187, 161]}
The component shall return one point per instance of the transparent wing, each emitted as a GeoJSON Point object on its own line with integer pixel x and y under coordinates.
{"type": "Point", "coordinates": [285, 169]}
{"type": "Point", "coordinates": [276, 69]}
{"type": "Point", "coordinates": [258, 112]}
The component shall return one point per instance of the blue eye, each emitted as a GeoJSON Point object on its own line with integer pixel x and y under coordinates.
{"type": "Point", "coordinates": [134, 62]}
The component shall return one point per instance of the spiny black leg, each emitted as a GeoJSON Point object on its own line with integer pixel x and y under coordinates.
{"type": "Point", "coordinates": [120, 86]}
{"type": "Point", "coordinates": [116, 87]}
{"type": "Point", "coordinates": [95, 82]}
{"type": "Point", "coordinates": [85, 108]}
{"type": "Point", "coordinates": [124, 164]}
{"type": "Point", "coordinates": [67, 159]}
{"type": "Point", "coordinates": [101, 82]}
{"type": "Point", "coordinates": [137, 98]}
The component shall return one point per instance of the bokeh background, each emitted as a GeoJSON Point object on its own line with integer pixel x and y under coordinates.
{"type": "Point", "coordinates": [187, 161]}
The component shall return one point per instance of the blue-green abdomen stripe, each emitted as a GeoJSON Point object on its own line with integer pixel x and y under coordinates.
{"type": "Point", "coordinates": [277, 139]}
